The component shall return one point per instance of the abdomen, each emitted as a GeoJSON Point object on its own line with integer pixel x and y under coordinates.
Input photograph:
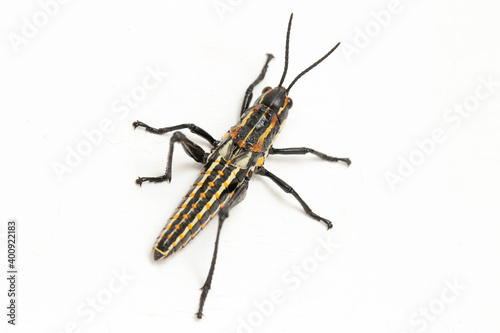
{"type": "Point", "coordinates": [211, 190]}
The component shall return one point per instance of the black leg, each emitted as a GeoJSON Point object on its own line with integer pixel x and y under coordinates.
{"type": "Point", "coordinates": [192, 127]}
{"type": "Point", "coordinates": [192, 149]}
{"type": "Point", "coordinates": [238, 195]}
{"type": "Point", "coordinates": [249, 93]}
{"type": "Point", "coordinates": [303, 151]}
{"type": "Point", "coordinates": [288, 189]}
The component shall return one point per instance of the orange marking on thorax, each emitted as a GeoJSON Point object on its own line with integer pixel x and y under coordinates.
{"type": "Point", "coordinates": [234, 132]}
{"type": "Point", "coordinates": [257, 147]}
{"type": "Point", "coordinates": [242, 144]}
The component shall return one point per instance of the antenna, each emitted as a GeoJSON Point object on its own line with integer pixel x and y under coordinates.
{"type": "Point", "coordinates": [311, 67]}
{"type": "Point", "coordinates": [286, 49]}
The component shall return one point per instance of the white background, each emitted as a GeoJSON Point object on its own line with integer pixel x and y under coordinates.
{"type": "Point", "coordinates": [397, 249]}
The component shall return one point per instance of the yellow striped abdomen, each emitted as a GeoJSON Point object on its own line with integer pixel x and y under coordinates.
{"type": "Point", "coordinates": [207, 195]}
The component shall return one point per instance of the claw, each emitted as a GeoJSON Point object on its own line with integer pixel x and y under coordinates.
{"type": "Point", "coordinates": [346, 160]}
{"type": "Point", "coordinates": [337, 159]}
{"type": "Point", "coordinates": [329, 224]}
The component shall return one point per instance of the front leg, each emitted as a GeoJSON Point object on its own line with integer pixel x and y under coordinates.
{"type": "Point", "coordinates": [192, 127]}
{"type": "Point", "coordinates": [247, 99]}
{"type": "Point", "coordinates": [303, 151]}
{"type": "Point", "coordinates": [192, 149]}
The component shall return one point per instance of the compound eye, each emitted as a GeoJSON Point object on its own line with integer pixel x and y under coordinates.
{"type": "Point", "coordinates": [289, 102]}
{"type": "Point", "coordinates": [266, 89]}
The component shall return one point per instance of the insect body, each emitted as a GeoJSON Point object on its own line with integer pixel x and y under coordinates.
{"type": "Point", "coordinates": [228, 168]}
